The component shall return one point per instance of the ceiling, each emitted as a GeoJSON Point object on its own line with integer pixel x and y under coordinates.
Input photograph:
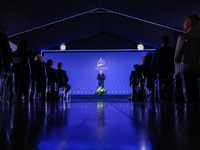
{"type": "Point", "coordinates": [47, 24]}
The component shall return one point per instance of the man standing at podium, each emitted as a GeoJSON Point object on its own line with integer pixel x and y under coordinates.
{"type": "Point", "coordinates": [101, 78]}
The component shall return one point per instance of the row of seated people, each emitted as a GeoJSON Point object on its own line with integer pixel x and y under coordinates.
{"type": "Point", "coordinates": [175, 74]}
{"type": "Point", "coordinates": [5, 62]}
{"type": "Point", "coordinates": [35, 79]}
{"type": "Point", "coordinates": [141, 79]}
{"type": "Point", "coordinates": [154, 79]}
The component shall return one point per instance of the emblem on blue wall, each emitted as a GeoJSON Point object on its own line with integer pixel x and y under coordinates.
{"type": "Point", "coordinates": [101, 64]}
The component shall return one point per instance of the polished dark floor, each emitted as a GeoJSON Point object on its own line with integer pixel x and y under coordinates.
{"type": "Point", "coordinates": [99, 125]}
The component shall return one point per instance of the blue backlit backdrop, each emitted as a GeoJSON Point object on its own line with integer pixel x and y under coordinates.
{"type": "Point", "coordinates": [82, 68]}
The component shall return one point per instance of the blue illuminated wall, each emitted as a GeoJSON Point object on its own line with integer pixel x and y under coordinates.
{"type": "Point", "coordinates": [82, 69]}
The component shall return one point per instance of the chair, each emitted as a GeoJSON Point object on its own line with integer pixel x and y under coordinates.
{"type": "Point", "coordinates": [35, 96]}
{"type": "Point", "coordinates": [7, 86]}
{"type": "Point", "coordinates": [146, 90]}
{"type": "Point", "coordinates": [31, 91]}
{"type": "Point", "coordinates": [47, 81]}
{"type": "Point", "coordinates": [52, 92]}
{"type": "Point", "coordinates": [164, 87]}
{"type": "Point", "coordinates": [157, 89]}
{"type": "Point", "coordinates": [192, 51]}
{"type": "Point", "coordinates": [183, 82]}
{"type": "Point", "coordinates": [62, 94]}
{"type": "Point", "coordinates": [140, 89]}
{"type": "Point", "coordinates": [133, 92]}
{"type": "Point", "coordinates": [65, 96]}
{"type": "Point", "coordinates": [174, 88]}
{"type": "Point", "coordinates": [42, 95]}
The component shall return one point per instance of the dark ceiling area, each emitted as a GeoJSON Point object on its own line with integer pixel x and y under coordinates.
{"type": "Point", "coordinates": [94, 24]}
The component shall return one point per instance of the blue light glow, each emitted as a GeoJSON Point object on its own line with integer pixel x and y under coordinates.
{"type": "Point", "coordinates": [82, 69]}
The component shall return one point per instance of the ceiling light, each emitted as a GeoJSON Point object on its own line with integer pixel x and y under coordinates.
{"type": "Point", "coordinates": [63, 47]}
{"type": "Point", "coordinates": [140, 47]}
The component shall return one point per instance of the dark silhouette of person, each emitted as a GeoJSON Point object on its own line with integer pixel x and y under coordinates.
{"type": "Point", "coordinates": [52, 80]}
{"type": "Point", "coordinates": [133, 82]}
{"type": "Point", "coordinates": [162, 60]}
{"type": "Point", "coordinates": [24, 69]}
{"type": "Point", "coordinates": [101, 77]}
{"type": "Point", "coordinates": [5, 52]}
{"type": "Point", "coordinates": [139, 72]}
{"type": "Point", "coordinates": [62, 78]}
{"type": "Point", "coordinates": [163, 64]}
{"type": "Point", "coordinates": [41, 76]}
{"type": "Point", "coordinates": [147, 72]}
{"type": "Point", "coordinates": [5, 63]}
{"type": "Point", "coordinates": [132, 76]}
{"type": "Point", "coordinates": [187, 57]}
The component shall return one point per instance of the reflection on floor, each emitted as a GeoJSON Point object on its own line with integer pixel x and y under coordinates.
{"type": "Point", "coordinates": [99, 125]}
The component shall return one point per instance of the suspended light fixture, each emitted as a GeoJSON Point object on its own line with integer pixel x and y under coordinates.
{"type": "Point", "coordinates": [63, 47]}
{"type": "Point", "coordinates": [140, 47]}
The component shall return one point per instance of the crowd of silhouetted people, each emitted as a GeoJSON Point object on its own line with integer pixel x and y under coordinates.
{"type": "Point", "coordinates": [166, 74]}
{"type": "Point", "coordinates": [32, 78]}
{"type": "Point", "coordinates": [158, 65]}
{"type": "Point", "coordinates": [170, 74]}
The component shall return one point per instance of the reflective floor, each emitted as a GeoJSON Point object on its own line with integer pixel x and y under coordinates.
{"type": "Point", "coordinates": [99, 125]}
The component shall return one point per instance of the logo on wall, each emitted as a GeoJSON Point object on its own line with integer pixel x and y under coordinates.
{"type": "Point", "coordinates": [101, 64]}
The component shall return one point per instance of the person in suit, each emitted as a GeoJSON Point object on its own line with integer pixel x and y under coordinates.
{"type": "Point", "coordinates": [41, 76]}
{"type": "Point", "coordinates": [147, 72]}
{"type": "Point", "coordinates": [5, 52]}
{"type": "Point", "coordinates": [24, 69]}
{"type": "Point", "coordinates": [163, 64]}
{"type": "Point", "coordinates": [132, 76]}
{"type": "Point", "coordinates": [52, 80]}
{"type": "Point", "coordinates": [62, 78]}
{"type": "Point", "coordinates": [187, 57]}
{"type": "Point", "coordinates": [133, 82]}
{"type": "Point", "coordinates": [139, 72]}
{"type": "Point", "coordinates": [5, 61]}
{"type": "Point", "coordinates": [101, 77]}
